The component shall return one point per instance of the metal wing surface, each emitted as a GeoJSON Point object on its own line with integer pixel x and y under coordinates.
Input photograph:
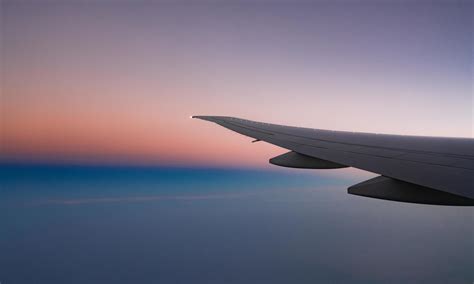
{"type": "Point", "coordinates": [411, 167]}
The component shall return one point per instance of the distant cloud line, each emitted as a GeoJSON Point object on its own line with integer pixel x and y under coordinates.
{"type": "Point", "coordinates": [145, 198]}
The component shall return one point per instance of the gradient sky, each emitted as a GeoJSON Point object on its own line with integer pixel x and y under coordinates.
{"type": "Point", "coordinates": [103, 81]}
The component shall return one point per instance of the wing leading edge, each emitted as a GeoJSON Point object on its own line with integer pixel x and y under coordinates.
{"type": "Point", "coordinates": [430, 170]}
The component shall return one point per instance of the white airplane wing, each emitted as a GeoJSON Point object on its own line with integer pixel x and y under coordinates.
{"type": "Point", "coordinates": [428, 170]}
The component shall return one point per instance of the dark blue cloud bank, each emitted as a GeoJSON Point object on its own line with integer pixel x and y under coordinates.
{"type": "Point", "coordinates": [170, 225]}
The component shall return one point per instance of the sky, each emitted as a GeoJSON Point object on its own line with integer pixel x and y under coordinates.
{"type": "Point", "coordinates": [116, 81]}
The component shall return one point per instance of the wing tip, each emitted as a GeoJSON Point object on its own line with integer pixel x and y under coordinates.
{"type": "Point", "coordinates": [203, 117]}
{"type": "Point", "coordinates": [212, 118]}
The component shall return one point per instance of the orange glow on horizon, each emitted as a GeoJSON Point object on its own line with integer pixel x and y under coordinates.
{"type": "Point", "coordinates": [100, 136]}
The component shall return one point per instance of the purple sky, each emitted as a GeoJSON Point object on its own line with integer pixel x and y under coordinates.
{"type": "Point", "coordinates": [107, 81]}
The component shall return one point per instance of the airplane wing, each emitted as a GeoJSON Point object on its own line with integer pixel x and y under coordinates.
{"type": "Point", "coordinates": [417, 169]}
